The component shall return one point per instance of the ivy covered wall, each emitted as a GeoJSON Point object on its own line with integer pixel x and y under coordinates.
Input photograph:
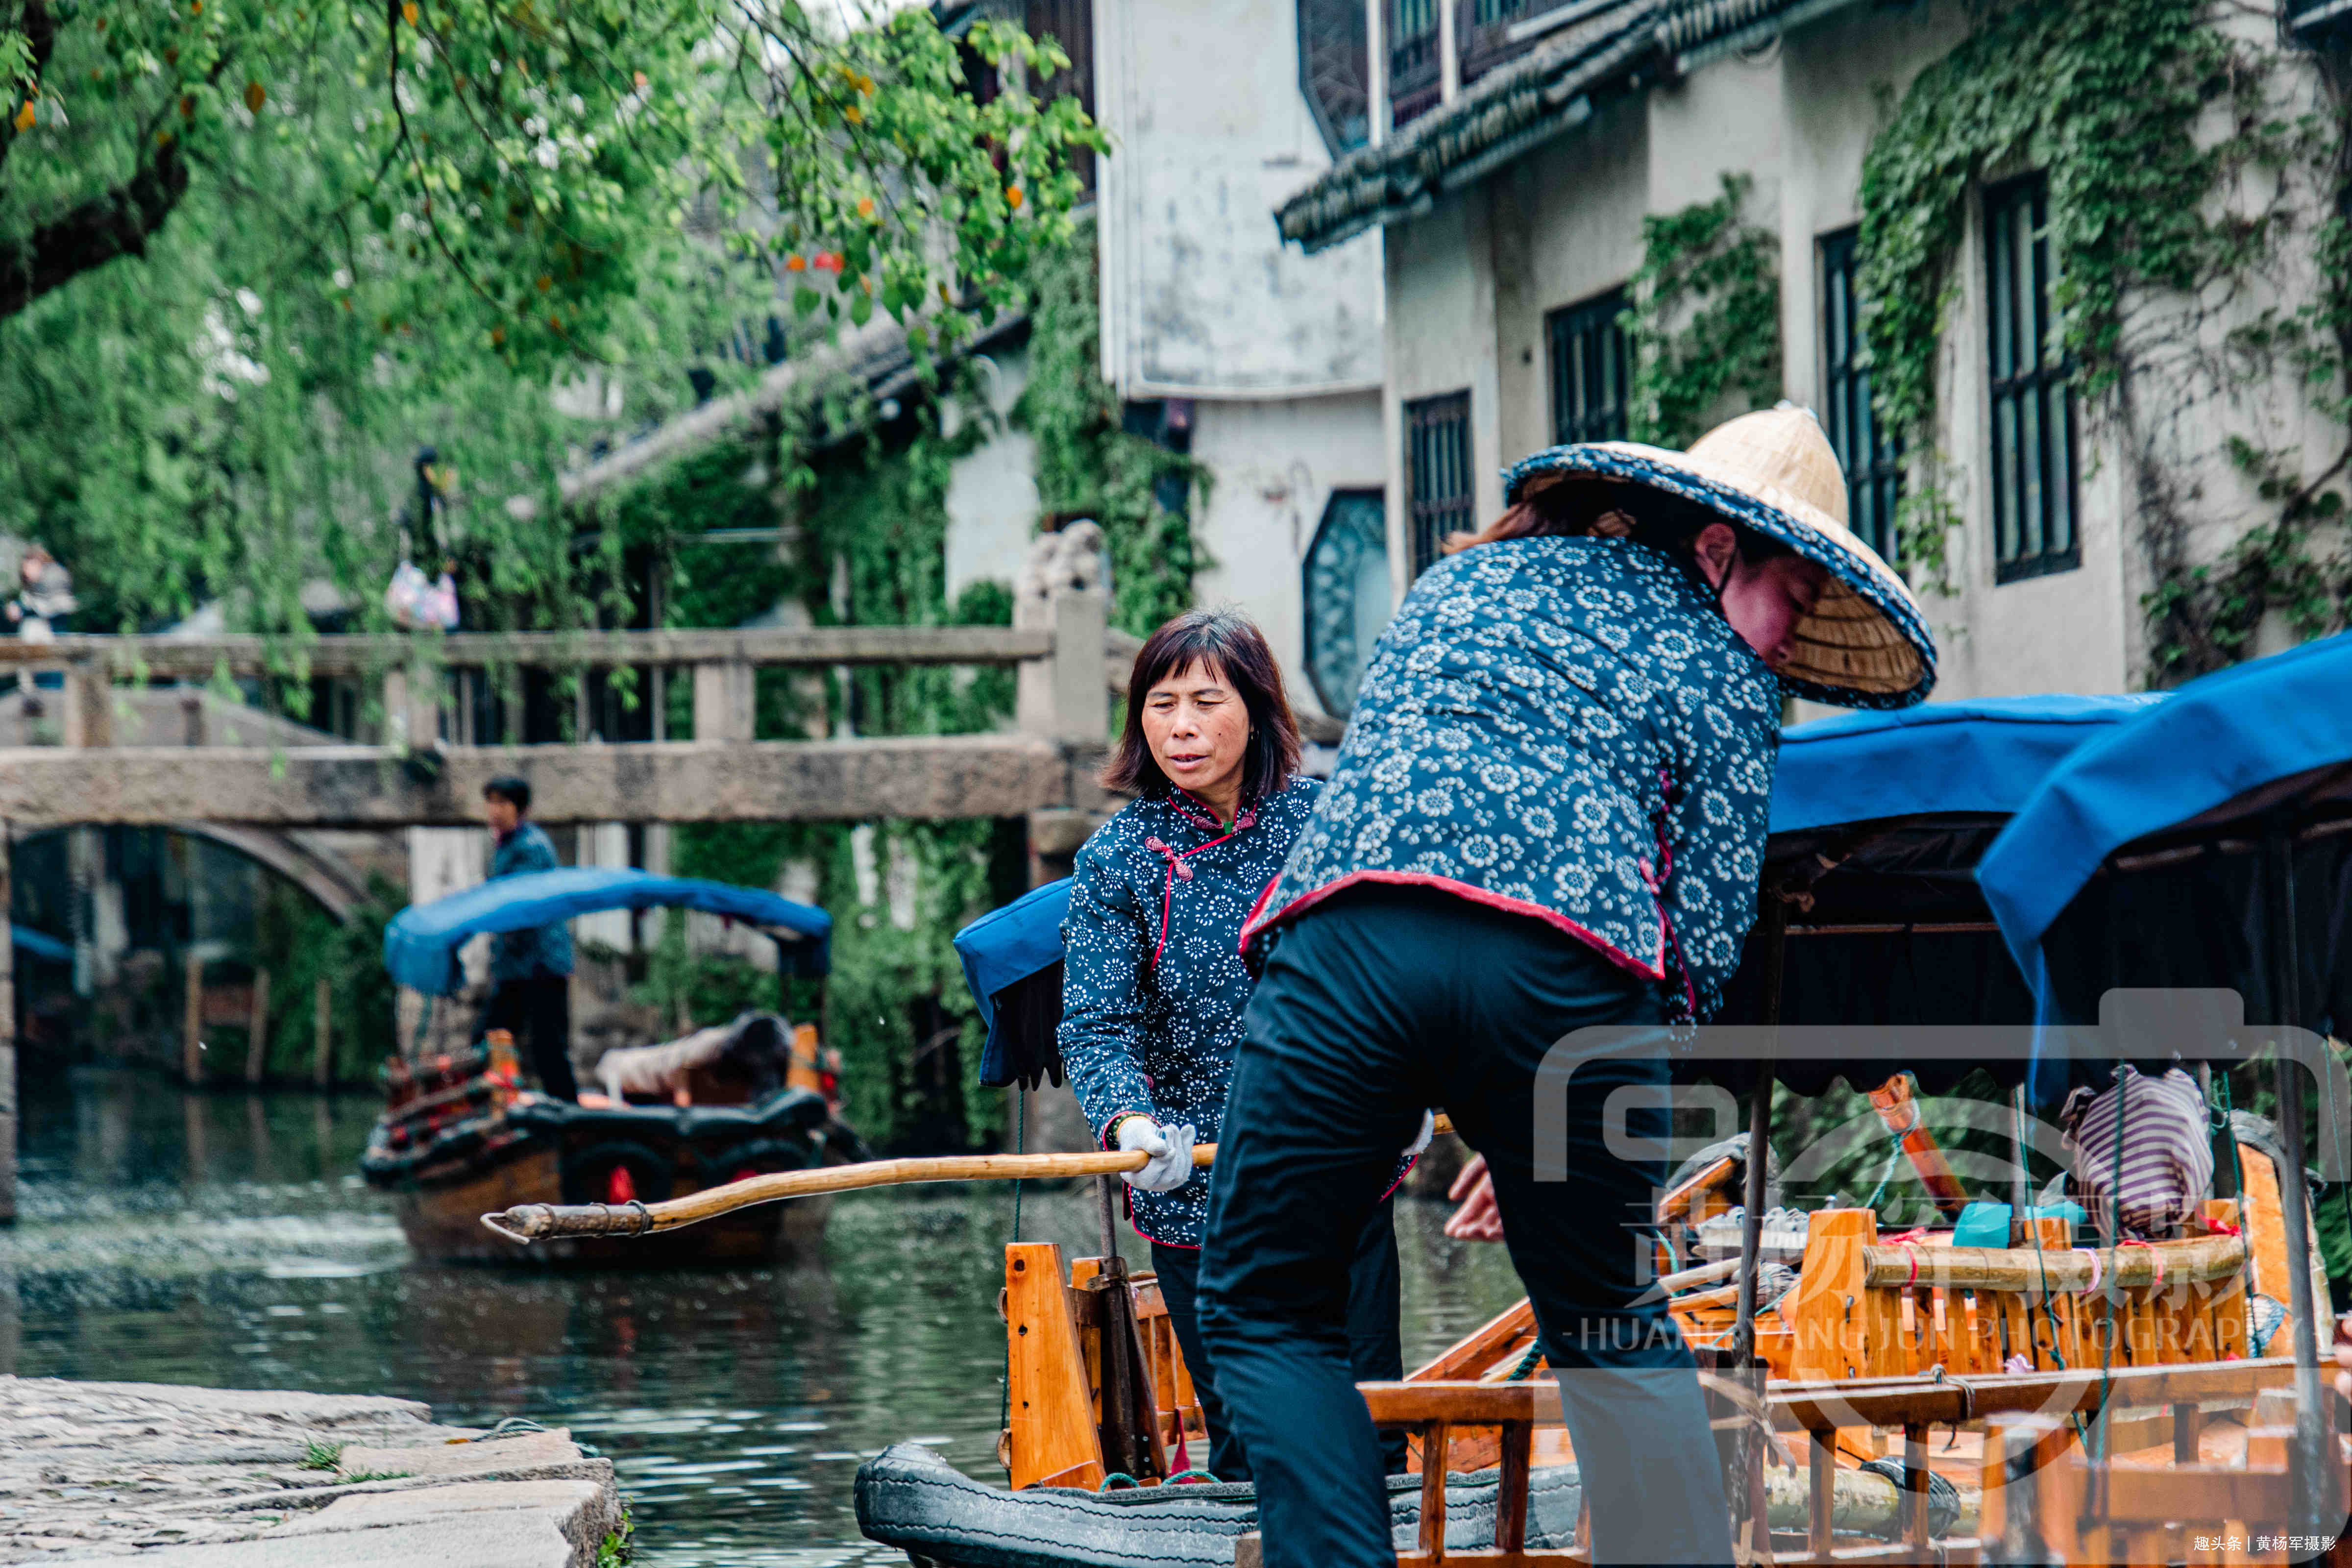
{"type": "Point", "coordinates": [2198, 179]}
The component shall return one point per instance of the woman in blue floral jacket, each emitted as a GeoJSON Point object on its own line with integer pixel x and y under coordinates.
{"type": "Point", "coordinates": [1153, 985]}
{"type": "Point", "coordinates": [1549, 815]}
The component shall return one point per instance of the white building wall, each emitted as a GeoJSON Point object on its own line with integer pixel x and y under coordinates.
{"type": "Point", "coordinates": [1209, 133]}
{"type": "Point", "coordinates": [992, 500]}
{"type": "Point", "coordinates": [1276, 464]}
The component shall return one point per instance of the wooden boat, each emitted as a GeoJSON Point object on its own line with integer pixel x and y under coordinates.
{"type": "Point", "coordinates": [461, 1138]}
{"type": "Point", "coordinates": [1950, 1405]}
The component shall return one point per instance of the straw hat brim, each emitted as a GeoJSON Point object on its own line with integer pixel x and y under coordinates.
{"type": "Point", "coordinates": [1866, 644]}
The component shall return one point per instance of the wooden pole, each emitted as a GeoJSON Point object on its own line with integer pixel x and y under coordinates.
{"type": "Point", "coordinates": [1749, 1506]}
{"type": "Point", "coordinates": [322, 1033]}
{"type": "Point", "coordinates": [1899, 1111]}
{"type": "Point", "coordinates": [191, 1023]}
{"type": "Point", "coordinates": [256, 1045]}
{"type": "Point", "coordinates": [537, 1222]}
{"type": "Point", "coordinates": [2311, 1476]}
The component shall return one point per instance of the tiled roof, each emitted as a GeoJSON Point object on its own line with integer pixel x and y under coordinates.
{"type": "Point", "coordinates": [1618, 47]}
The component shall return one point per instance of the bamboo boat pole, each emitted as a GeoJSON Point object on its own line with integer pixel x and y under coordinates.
{"type": "Point", "coordinates": [1899, 1110]}
{"type": "Point", "coordinates": [544, 1222]}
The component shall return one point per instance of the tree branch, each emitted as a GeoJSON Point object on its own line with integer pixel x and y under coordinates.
{"type": "Point", "coordinates": [40, 30]}
{"type": "Point", "coordinates": [116, 223]}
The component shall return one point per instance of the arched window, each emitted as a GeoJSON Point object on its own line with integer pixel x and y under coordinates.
{"type": "Point", "coordinates": [1333, 71]}
{"type": "Point", "coordinates": [1348, 595]}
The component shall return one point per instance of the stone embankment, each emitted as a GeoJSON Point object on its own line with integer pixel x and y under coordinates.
{"type": "Point", "coordinates": [200, 1478]}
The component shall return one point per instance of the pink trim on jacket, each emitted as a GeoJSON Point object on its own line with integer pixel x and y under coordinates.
{"type": "Point", "coordinates": [1259, 920]}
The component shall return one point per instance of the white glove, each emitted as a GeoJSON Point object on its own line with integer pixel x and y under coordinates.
{"type": "Point", "coordinates": [1170, 1149]}
{"type": "Point", "coordinates": [1428, 1130]}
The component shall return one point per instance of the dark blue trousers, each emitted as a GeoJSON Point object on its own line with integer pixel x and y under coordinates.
{"type": "Point", "coordinates": [1378, 1003]}
{"type": "Point", "coordinates": [1375, 1341]}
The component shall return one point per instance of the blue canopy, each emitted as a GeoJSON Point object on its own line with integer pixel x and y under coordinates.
{"type": "Point", "coordinates": [39, 944]}
{"type": "Point", "coordinates": [1000, 950]}
{"type": "Point", "coordinates": [1945, 760]}
{"type": "Point", "coordinates": [1985, 755]}
{"type": "Point", "coordinates": [420, 945]}
{"type": "Point", "coordinates": [2270, 739]}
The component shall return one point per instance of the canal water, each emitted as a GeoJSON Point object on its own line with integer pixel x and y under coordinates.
{"type": "Point", "coordinates": [225, 1239]}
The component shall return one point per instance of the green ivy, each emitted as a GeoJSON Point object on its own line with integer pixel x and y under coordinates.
{"type": "Point", "coordinates": [1706, 317]}
{"type": "Point", "coordinates": [2104, 97]}
{"type": "Point", "coordinates": [300, 944]}
{"type": "Point", "coordinates": [1088, 465]}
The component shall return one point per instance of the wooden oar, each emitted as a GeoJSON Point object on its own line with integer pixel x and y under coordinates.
{"type": "Point", "coordinates": [541, 1222]}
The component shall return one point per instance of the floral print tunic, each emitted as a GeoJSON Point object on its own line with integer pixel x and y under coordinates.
{"type": "Point", "coordinates": [1154, 987]}
{"type": "Point", "coordinates": [1568, 729]}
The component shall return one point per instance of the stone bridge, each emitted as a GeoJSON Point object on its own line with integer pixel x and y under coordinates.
{"type": "Point", "coordinates": [127, 751]}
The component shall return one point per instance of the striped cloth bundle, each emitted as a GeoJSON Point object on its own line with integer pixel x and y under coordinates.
{"type": "Point", "coordinates": [2167, 1164]}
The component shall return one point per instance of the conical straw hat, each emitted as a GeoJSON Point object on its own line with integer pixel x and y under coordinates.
{"type": "Point", "coordinates": [1865, 644]}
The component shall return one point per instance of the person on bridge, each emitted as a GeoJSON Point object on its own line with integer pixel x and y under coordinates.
{"type": "Point", "coordinates": [530, 970]}
{"type": "Point", "coordinates": [1548, 813]}
{"type": "Point", "coordinates": [1153, 985]}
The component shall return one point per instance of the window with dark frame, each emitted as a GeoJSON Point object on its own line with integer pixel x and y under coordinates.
{"type": "Point", "coordinates": [1334, 71]}
{"type": "Point", "coordinates": [1591, 368]}
{"type": "Point", "coordinates": [1439, 500]}
{"type": "Point", "coordinates": [2033, 427]}
{"type": "Point", "coordinates": [1870, 454]}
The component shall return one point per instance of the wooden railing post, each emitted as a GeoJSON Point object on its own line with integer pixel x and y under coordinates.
{"type": "Point", "coordinates": [256, 1046]}
{"type": "Point", "coordinates": [191, 1023]}
{"type": "Point", "coordinates": [88, 718]}
{"type": "Point", "coordinates": [322, 1032]}
{"type": "Point", "coordinates": [722, 701]}
{"type": "Point", "coordinates": [412, 707]}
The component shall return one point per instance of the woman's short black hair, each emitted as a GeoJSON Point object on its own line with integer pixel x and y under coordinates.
{"type": "Point", "coordinates": [1227, 642]}
{"type": "Point", "coordinates": [514, 791]}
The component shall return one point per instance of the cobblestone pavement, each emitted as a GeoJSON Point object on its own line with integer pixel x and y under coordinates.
{"type": "Point", "coordinates": [200, 1477]}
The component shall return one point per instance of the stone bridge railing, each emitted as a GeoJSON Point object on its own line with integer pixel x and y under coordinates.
{"type": "Point", "coordinates": [109, 771]}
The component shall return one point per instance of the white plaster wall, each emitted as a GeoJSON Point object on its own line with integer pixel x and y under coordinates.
{"type": "Point", "coordinates": [1573, 209]}
{"type": "Point", "coordinates": [1209, 133]}
{"type": "Point", "coordinates": [1442, 299]}
{"type": "Point", "coordinates": [1275, 465]}
{"type": "Point", "coordinates": [445, 860]}
{"type": "Point", "coordinates": [992, 501]}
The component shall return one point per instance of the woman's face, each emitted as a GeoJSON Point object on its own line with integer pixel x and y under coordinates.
{"type": "Point", "coordinates": [1763, 600]}
{"type": "Point", "coordinates": [1197, 727]}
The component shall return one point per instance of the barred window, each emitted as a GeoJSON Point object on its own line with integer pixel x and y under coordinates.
{"type": "Point", "coordinates": [1870, 454]}
{"type": "Point", "coordinates": [1437, 468]}
{"type": "Point", "coordinates": [2033, 433]}
{"type": "Point", "coordinates": [1591, 367]}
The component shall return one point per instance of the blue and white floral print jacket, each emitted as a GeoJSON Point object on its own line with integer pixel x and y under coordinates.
{"type": "Point", "coordinates": [1152, 986]}
{"type": "Point", "coordinates": [1568, 729]}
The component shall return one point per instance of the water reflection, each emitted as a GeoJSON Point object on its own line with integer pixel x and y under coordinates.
{"type": "Point", "coordinates": [225, 1239]}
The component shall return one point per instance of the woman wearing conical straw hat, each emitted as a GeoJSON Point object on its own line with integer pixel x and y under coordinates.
{"type": "Point", "coordinates": [1548, 813]}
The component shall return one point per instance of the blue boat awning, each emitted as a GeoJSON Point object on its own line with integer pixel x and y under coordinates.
{"type": "Point", "coordinates": [421, 944]}
{"type": "Point", "coordinates": [1984, 756]}
{"type": "Point", "coordinates": [39, 944]}
{"type": "Point", "coordinates": [1019, 945]}
{"type": "Point", "coordinates": [2144, 860]}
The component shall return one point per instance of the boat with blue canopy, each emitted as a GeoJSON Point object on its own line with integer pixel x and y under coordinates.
{"type": "Point", "coordinates": [1871, 913]}
{"type": "Point", "coordinates": [2187, 879]}
{"type": "Point", "coordinates": [758, 1094]}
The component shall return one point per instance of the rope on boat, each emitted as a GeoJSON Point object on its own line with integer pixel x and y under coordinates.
{"type": "Point", "coordinates": [1193, 1475]}
{"type": "Point", "coordinates": [1120, 1476]}
{"type": "Point", "coordinates": [1526, 1367]}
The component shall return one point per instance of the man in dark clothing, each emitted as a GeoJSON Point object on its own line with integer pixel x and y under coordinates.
{"type": "Point", "coordinates": [530, 970]}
